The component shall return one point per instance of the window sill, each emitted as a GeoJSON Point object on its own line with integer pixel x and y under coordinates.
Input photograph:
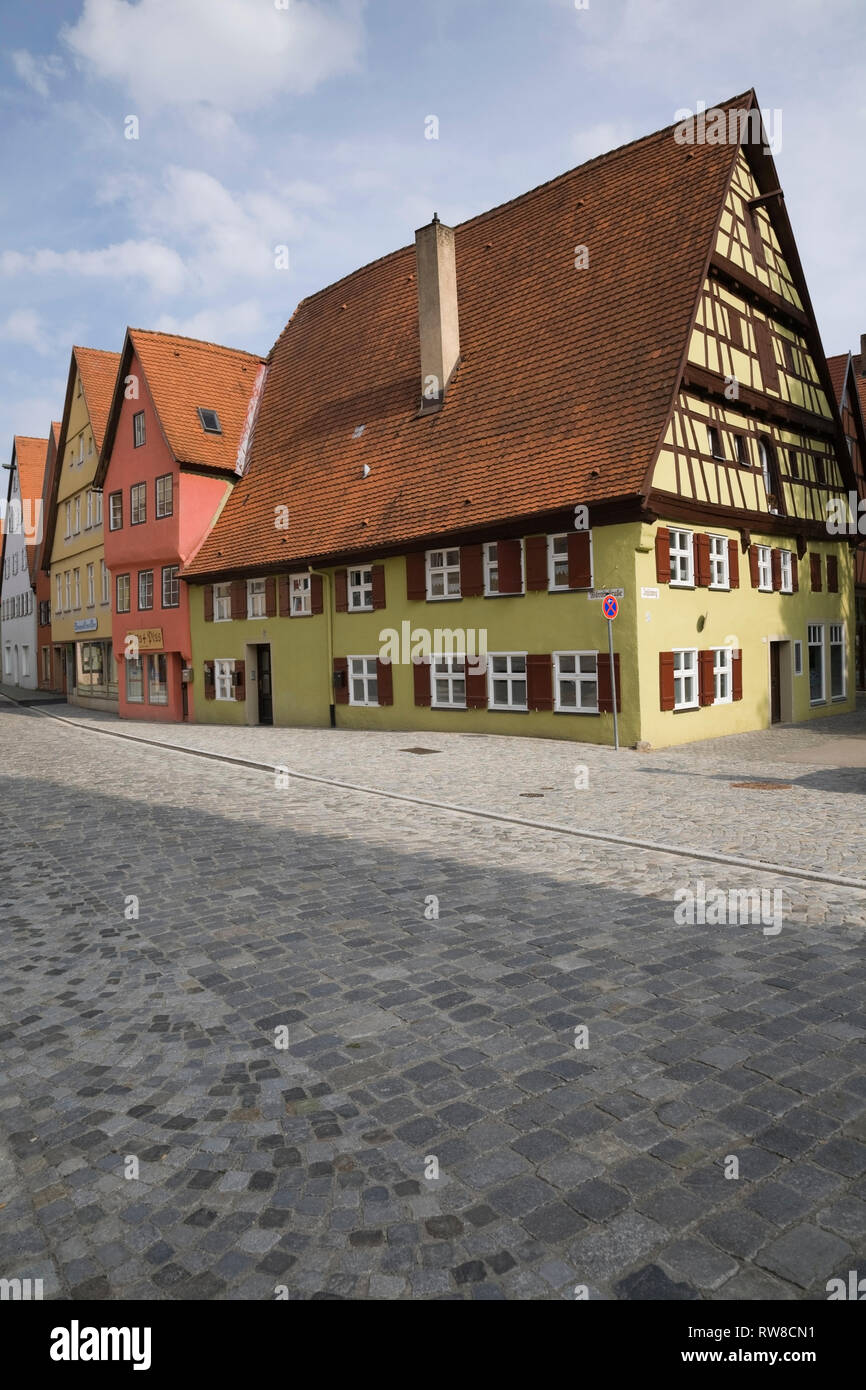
{"type": "Point", "coordinates": [686, 709]}
{"type": "Point", "coordinates": [815, 703]}
{"type": "Point", "coordinates": [838, 699]}
{"type": "Point", "coordinates": [516, 593]}
{"type": "Point", "coordinates": [591, 712]}
{"type": "Point", "coordinates": [720, 588]}
{"type": "Point", "coordinates": [508, 709]}
{"type": "Point", "coordinates": [676, 584]}
{"type": "Point", "coordinates": [443, 598]}
{"type": "Point", "coordinates": [459, 708]}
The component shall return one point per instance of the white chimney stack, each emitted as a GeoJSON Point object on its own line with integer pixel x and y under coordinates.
{"type": "Point", "coordinates": [437, 310]}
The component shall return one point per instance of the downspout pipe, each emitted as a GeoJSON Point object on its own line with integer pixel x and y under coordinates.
{"type": "Point", "coordinates": [329, 609]}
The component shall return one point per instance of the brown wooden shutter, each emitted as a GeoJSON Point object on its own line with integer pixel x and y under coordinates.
{"type": "Point", "coordinates": [416, 575]}
{"type": "Point", "coordinates": [283, 595]}
{"type": "Point", "coordinates": [341, 591]}
{"type": "Point", "coordinates": [766, 356]}
{"type": "Point", "coordinates": [539, 682]}
{"type": "Point", "coordinates": [737, 676]}
{"type": "Point", "coordinates": [377, 574]}
{"type": "Point", "coordinates": [476, 687]}
{"type": "Point", "coordinates": [209, 681]}
{"type": "Point", "coordinates": [384, 682]}
{"type": "Point", "coordinates": [795, 575]}
{"type": "Point", "coordinates": [663, 555]}
{"type": "Point", "coordinates": [815, 567]}
{"type": "Point", "coordinates": [471, 571]}
{"type": "Point", "coordinates": [666, 679]}
{"type": "Point", "coordinates": [510, 570]}
{"type": "Point", "coordinates": [605, 692]}
{"type": "Point", "coordinates": [753, 565]}
{"type": "Point", "coordinates": [756, 241]}
{"type": "Point", "coordinates": [702, 560]}
{"type": "Point", "coordinates": [776, 567]}
{"type": "Point", "coordinates": [239, 598]}
{"type": "Point", "coordinates": [832, 575]}
{"type": "Point", "coordinates": [341, 680]}
{"type": "Point", "coordinates": [316, 603]}
{"type": "Point", "coordinates": [706, 679]}
{"type": "Point", "coordinates": [208, 603]}
{"type": "Point", "coordinates": [270, 597]}
{"type": "Point", "coordinates": [733, 564]}
{"type": "Point", "coordinates": [579, 562]}
{"type": "Point", "coordinates": [536, 562]}
{"type": "Point", "coordinates": [421, 681]}
{"type": "Point", "coordinates": [240, 680]}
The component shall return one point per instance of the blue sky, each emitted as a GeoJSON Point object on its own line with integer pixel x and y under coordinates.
{"type": "Point", "coordinates": [263, 124]}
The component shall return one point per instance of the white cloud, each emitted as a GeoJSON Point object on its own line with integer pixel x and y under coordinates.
{"type": "Point", "coordinates": [36, 71]}
{"type": "Point", "coordinates": [157, 265]}
{"type": "Point", "coordinates": [236, 325]}
{"type": "Point", "coordinates": [236, 55]}
{"type": "Point", "coordinates": [27, 327]}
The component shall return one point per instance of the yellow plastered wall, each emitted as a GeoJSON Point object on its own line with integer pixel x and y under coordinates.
{"type": "Point", "coordinates": [78, 551]}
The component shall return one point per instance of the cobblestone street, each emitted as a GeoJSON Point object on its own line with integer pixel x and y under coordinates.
{"type": "Point", "coordinates": [164, 915]}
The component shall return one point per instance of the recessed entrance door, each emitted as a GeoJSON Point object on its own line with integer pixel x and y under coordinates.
{"type": "Point", "coordinates": [775, 683]}
{"type": "Point", "coordinates": [266, 703]}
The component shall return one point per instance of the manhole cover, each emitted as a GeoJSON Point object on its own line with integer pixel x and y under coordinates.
{"type": "Point", "coordinates": [765, 786]}
{"type": "Point", "coordinates": [420, 750]}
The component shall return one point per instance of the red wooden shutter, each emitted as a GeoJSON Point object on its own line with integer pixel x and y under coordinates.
{"type": "Point", "coordinates": [539, 682]}
{"type": "Point", "coordinates": [377, 574]}
{"type": "Point", "coordinates": [240, 680]}
{"type": "Point", "coordinates": [776, 567]}
{"type": "Point", "coordinates": [702, 560]}
{"type": "Point", "coordinates": [706, 679]}
{"type": "Point", "coordinates": [510, 570]}
{"type": "Point", "coordinates": [283, 593]}
{"type": "Point", "coordinates": [209, 681]}
{"type": "Point", "coordinates": [832, 575]}
{"type": "Point", "coordinates": [341, 591]}
{"type": "Point", "coordinates": [341, 680]}
{"type": "Point", "coordinates": [766, 356]}
{"type": "Point", "coordinates": [239, 598]}
{"type": "Point", "coordinates": [208, 603]}
{"type": "Point", "coordinates": [815, 567]}
{"type": "Point", "coordinates": [753, 565]}
{"type": "Point", "coordinates": [737, 676]}
{"type": "Point", "coordinates": [663, 555]}
{"type": "Point", "coordinates": [476, 687]}
{"type": "Point", "coordinates": [471, 571]}
{"type": "Point", "coordinates": [605, 692]}
{"type": "Point", "coordinates": [421, 682]}
{"type": "Point", "coordinates": [795, 575]}
{"type": "Point", "coordinates": [384, 682]}
{"type": "Point", "coordinates": [270, 597]}
{"type": "Point", "coordinates": [579, 564]}
{"type": "Point", "coordinates": [666, 679]}
{"type": "Point", "coordinates": [416, 575]}
{"type": "Point", "coordinates": [316, 604]}
{"type": "Point", "coordinates": [733, 564]}
{"type": "Point", "coordinates": [536, 562]}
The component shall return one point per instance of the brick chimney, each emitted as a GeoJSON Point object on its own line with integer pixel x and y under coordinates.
{"type": "Point", "coordinates": [438, 325]}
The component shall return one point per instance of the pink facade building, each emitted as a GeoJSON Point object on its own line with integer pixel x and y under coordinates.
{"type": "Point", "coordinates": [174, 446]}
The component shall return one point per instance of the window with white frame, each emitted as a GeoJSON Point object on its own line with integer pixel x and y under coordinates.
{"type": "Point", "coordinates": [145, 589]}
{"type": "Point", "coordinates": [138, 504]}
{"type": "Point", "coordinates": [682, 558]}
{"type": "Point", "coordinates": [506, 681]}
{"type": "Point", "coordinates": [360, 589]}
{"type": "Point", "coordinates": [224, 680]}
{"type": "Point", "coordinates": [798, 658]}
{"type": "Point", "coordinates": [67, 590]}
{"type": "Point", "coordinates": [443, 573]}
{"type": "Point", "coordinates": [300, 602]}
{"type": "Point", "coordinates": [575, 682]}
{"type": "Point", "coordinates": [68, 513]}
{"type": "Point", "coordinates": [838, 671]}
{"type": "Point", "coordinates": [765, 567]}
{"type": "Point", "coordinates": [76, 588]}
{"type": "Point", "coordinates": [91, 585]}
{"type": "Point", "coordinates": [222, 603]}
{"type": "Point", "coordinates": [786, 566]}
{"type": "Point", "coordinates": [58, 581]}
{"type": "Point", "coordinates": [164, 497]}
{"type": "Point", "coordinates": [557, 562]}
{"type": "Point", "coordinates": [255, 598]}
{"type": "Point", "coordinates": [76, 515]}
{"type": "Point", "coordinates": [719, 576]}
{"type": "Point", "coordinates": [448, 682]}
{"type": "Point", "coordinates": [363, 682]}
{"type": "Point", "coordinates": [106, 582]}
{"type": "Point", "coordinates": [815, 634]}
{"type": "Point", "coordinates": [88, 512]}
{"type": "Point", "coordinates": [686, 678]}
{"type": "Point", "coordinates": [97, 508]}
{"type": "Point", "coordinates": [722, 675]}
{"type": "Point", "coordinates": [115, 511]}
{"type": "Point", "coordinates": [121, 593]}
{"type": "Point", "coordinates": [170, 586]}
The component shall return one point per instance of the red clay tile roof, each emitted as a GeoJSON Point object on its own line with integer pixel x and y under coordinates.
{"type": "Point", "coordinates": [98, 371]}
{"type": "Point", "coordinates": [30, 461]}
{"type": "Point", "coordinates": [563, 371]}
{"type": "Point", "coordinates": [183, 374]}
{"type": "Point", "coordinates": [837, 367]}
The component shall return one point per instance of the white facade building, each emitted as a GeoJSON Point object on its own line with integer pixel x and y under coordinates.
{"type": "Point", "coordinates": [22, 534]}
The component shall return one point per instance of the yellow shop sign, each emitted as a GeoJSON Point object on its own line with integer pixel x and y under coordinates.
{"type": "Point", "coordinates": [148, 639]}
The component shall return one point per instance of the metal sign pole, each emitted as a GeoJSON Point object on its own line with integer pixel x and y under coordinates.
{"type": "Point", "coordinates": [612, 683]}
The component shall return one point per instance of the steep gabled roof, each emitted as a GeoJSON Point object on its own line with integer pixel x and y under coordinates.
{"type": "Point", "coordinates": [98, 371]}
{"type": "Point", "coordinates": [183, 374]}
{"type": "Point", "coordinates": [28, 458]}
{"type": "Point", "coordinates": [850, 388]}
{"type": "Point", "coordinates": [565, 381]}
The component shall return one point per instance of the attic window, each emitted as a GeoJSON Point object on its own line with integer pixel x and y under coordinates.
{"type": "Point", "coordinates": [210, 421]}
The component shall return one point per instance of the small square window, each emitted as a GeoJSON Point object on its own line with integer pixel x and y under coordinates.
{"type": "Point", "coordinates": [719, 577]}
{"type": "Point", "coordinates": [300, 601]}
{"type": "Point", "coordinates": [765, 567]}
{"type": "Point", "coordinates": [686, 679]}
{"type": "Point", "coordinates": [443, 574]}
{"type": "Point", "coordinates": [210, 421]}
{"type": "Point", "coordinates": [506, 681]}
{"type": "Point", "coordinates": [742, 451]}
{"type": "Point", "coordinates": [360, 589]}
{"type": "Point", "coordinates": [448, 682]}
{"type": "Point", "coordinates": [222, 603]}
{"type": "Point", "coordinates": [575, 681]}
{"type": "Point", "coordinates": [682, 559]}
{"type": "Point", "coordinates": [786, 569]}
{"type": "Point", "coordinates": [256, 598]}
{"type": "Point", "coordinates": [714, 442]}
{"type": "Point", "coordinates": [363, 681]}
